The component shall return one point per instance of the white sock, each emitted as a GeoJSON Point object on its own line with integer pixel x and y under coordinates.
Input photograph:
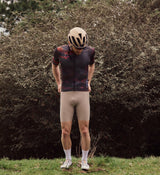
{"type": "Point", "coordinates": [84, 155]}
{"type": "Point", "coordinates": [68, 154]}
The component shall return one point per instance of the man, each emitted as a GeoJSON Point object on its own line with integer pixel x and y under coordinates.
{"type": "Point", "coordinates": [73, 66]}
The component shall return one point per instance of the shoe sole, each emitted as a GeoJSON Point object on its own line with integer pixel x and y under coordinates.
{"type": "Point", "coordinates": [84, 169]}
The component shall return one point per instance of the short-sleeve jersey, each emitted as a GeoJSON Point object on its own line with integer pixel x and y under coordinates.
{"type": "Point", "coordinates": [74, 68]}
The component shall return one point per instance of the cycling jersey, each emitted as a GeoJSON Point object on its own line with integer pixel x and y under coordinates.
{"type": "Point", "coordinates": [74, 68]}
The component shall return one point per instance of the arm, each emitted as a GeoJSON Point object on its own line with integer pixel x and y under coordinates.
{"type": "Point", "coordinates": [56, 74]}
{"type": "Point", "coordinates": [91, 69]}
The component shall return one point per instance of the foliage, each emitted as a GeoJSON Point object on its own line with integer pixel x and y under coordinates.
{"type": "Point", "coordinates": [20, 6]}
{"type": "Point", "coordinates": [125, 87]}
{"type": "Point", "coordinates": [10, 13]}
{"type": "Point", "coordinates": [152, 4]}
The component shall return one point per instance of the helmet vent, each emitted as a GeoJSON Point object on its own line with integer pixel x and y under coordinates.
{"type": "Point", "coordinates": [70, 40]}
{"type": "Point", "coordinates": [84, 39]}
{"type": "Point", "coordinates": [74, 41]}
{"type": "Point", "coordinates": [80, 35]}
{"type": "Point", "coordinates": [79, 41]}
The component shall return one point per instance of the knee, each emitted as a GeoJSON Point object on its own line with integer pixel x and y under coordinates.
{"type": "Point", "coordinates": [65, 132]}
{"type": "Point", "coordinates": [84, 131]}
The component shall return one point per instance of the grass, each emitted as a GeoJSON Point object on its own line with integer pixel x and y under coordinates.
{"type": "Point", "coordinates": [98, 166]}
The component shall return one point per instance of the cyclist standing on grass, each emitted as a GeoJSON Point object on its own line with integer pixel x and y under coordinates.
{"type": "Point", "coordinates": [73, 66]}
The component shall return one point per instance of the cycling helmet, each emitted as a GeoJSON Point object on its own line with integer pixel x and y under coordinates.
{"type": "Point", "coordinates": [78, 37]}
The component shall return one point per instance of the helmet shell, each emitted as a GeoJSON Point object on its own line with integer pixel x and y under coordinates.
{"type": "Point", "coordinates": [78, 38]}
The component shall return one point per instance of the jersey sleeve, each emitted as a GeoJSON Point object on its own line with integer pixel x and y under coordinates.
{"type": "Point", "coordinates": [92, 56]}
{"type": "Point", "coordinates": [55, 59]}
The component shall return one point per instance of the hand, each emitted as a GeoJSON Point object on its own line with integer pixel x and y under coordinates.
{"type": "Point", "coordinates": [89, 87]}
{"type": "Point", "coordinates": [59, 88]}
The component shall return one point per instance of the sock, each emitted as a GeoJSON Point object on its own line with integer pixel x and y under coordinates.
{"type": "Point", "coordinates": [84, 155]}
{"type": "Point", "coordinates": [68, 154]}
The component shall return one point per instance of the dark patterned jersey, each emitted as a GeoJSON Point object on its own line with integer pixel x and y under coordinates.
{"type": "Point", "coordinates": [74, 68]}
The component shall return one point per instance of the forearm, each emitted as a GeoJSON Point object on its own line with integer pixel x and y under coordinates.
{"type": "Point", "coordinates": [56, 74]}
{"type": "Point", "coordinates": [90, 72]}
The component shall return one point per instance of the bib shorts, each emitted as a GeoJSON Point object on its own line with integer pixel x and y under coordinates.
{"type": "Point", "coordinates": [71, 100]}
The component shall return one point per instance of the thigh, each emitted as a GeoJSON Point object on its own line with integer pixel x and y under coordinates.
{"type": "Point", "coordinates": [83, 106]}
{"type": "Point", "coordinates": [66, 108]}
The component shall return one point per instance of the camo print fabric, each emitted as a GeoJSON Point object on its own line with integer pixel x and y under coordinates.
{"type": "Point", "coordinates": [74, 68]}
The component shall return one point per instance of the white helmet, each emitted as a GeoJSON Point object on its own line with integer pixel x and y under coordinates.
{"type": "Point", "coordinates": [78, 37]}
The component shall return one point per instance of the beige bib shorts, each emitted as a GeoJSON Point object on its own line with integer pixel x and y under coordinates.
{"type": "Point", "coordinates": [71, 100]}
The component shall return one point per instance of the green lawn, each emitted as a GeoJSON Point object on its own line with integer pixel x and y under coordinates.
{"type": "Point", "coordinates": [98, 166]}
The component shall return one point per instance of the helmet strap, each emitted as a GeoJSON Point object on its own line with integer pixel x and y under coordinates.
{"type": "Point", "coordinates": [70, 46]}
